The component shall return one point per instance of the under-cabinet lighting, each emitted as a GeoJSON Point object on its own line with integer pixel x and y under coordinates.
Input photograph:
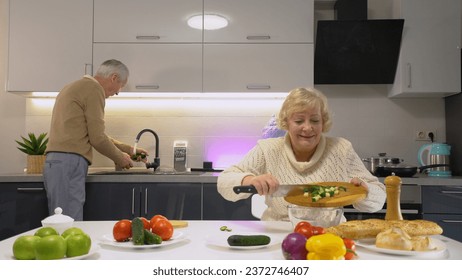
{"type": "Point", "coordinates": [179, 95]}
{"type": "Point", "coordinates": [211, 22]}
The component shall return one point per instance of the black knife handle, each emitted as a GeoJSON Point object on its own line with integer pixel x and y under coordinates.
{"type": "Point", "coordinates": [245, 189]}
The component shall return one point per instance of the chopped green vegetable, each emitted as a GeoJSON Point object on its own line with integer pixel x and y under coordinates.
{"type": "Point", "coordinates": [225, 228]}
{"type": "Point", "coordinates": [318, 192]}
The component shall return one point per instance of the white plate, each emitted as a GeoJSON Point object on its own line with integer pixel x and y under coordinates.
{"type": "Point", "coordinates": [93, 250]}
{"type": "Point", "coordinates": [221, 240]}
{"type": "Point", "coordinates": [370, 244]}
{"type": "Point", "coordinates": [108, 239]}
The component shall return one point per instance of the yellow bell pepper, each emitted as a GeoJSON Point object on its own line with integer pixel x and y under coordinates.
{"type": "Point", "coordinates": [325, 246]}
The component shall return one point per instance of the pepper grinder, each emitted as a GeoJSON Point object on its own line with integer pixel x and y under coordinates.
{"type": "Point", "coordinates": [393, 188]}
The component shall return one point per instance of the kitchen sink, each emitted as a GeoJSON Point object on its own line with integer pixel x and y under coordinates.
{"type": "Point", "coordinates": [145, 172]}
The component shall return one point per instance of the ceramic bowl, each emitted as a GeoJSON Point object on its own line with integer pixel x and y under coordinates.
{"type": "Point", "coordinates": [58, 221]}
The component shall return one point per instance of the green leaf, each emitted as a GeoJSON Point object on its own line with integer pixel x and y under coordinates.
{"type": "Point", "coordinates": [34, 145]}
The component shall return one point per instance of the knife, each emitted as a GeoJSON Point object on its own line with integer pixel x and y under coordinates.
{"type": "Point", "coordinates": [283, 190]}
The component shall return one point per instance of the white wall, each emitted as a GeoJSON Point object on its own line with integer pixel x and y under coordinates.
{"type": "Point", "coordinates": [363, 114]}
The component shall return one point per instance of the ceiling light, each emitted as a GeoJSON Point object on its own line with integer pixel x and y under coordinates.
{"type": "Point", "coordinates": [211, 22]}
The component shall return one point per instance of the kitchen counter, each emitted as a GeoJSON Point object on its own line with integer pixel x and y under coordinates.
{"type": "Point", "coordinates": [203, 240]}
{"type": "Point", "coordinates": [208, 177]}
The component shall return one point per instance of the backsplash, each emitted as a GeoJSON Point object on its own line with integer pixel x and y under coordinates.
{"type": "Point", "coordinates": [222, 131]}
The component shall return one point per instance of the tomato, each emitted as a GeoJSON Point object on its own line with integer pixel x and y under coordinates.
{"type": "Point", "coordinates": [163, 228]}
{"type": "Point", "coordinates": [301, 224]}
{"type": "Point", "coordinates": [146, 223]}
{"type": "Point", "coordinates": [351, 249]}
{"type": "Point", "coordinates": [305, 229]}
{"type": "Point", "coordinates": [155, 218]}
{"type": "Point", "coordinates": [122, 230]}
{"type": "Point", "coordinates": [349, 256]}
{"type": "Point", "coordinates": [349, 244]}
{"type": "Point", "coordinates": [318, 230]}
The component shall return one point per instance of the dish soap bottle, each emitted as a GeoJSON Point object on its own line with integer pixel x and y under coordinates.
{"type": "Point", "coordinates": [393, 188]}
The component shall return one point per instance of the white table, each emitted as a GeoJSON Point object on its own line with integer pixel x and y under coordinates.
{"type": "Point", "coordinates": [198, 241]}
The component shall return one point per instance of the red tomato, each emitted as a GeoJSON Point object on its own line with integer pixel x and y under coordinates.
{"type": "Point", "coordinates": [349, 256]}
{"type": "Point", "coordinates": [349, 244]}
{"type": "Point", "coordinates": [163, 228]}
{"type": "Point", "coordinates": [146, 224]}
{"type": "Point", "coordinates": [318, 230]}
{"type": "Point", "coordinates": [155, 218]}
{"type": "Point", "coordinates": [122, 230]}
{"type": "Point", "coordinates": [305, 229]}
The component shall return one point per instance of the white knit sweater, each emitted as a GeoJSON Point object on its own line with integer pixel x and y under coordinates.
{"type": "Point", "coordinates": [333, 161]}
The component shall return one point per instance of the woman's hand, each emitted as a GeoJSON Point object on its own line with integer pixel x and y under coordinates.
{"type": "Point", "coordinates": [264, 184]}
{"type": "Point", "coordinates": [141, 155]}
{"type": "Point", "coordinates": [358, 182]}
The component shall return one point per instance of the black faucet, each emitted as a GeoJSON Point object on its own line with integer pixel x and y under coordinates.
{"type": "Point", "coordinates": [156, 161]}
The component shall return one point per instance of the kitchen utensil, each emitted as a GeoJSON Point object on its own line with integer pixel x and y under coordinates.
{"type": "Point", "coordinates": [295, 194]}
{"type": "Point", "coordinates": [398, 169]}
{"type": "Point", "coordinates": [317, 216]}
{"type": "Point", "coordinates": [371, 163]}
{"type": "Point", "coordinates": [435, 158]}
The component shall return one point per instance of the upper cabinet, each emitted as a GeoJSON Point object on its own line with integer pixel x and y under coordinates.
{"type": "Point", "coordinates": [429, 62]}
{"type": "Point", "coordinates": [49, 44]}
{"type": "Point", "coordinates": [261, 21]}
{"type": "Point", "coordinates": [146, 21]}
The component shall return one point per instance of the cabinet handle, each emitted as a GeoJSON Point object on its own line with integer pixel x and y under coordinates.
{"type": "Point", "coordinates": [409, 81]}
{"type": "Point", "coordinates": [88, 69]}
{"type": "Point", "coordinates": [258, 37]}
{"type": "Point", "coordinates": [451, 221]}
{"type": "Point", "coordinates": [30, 189]}
{"type": "Point", "coordinates": [133, 201]}
{"type": "Point", "coordinates": [147, 87]}
{"type": "Point", "coordinates": [145, 201]}
{"type": "Point", "coordinates": [147, 37]}
{"type": "Point", "coordinates": [258, 87]}
{"type": "Point", "coordinates": [451, 192]}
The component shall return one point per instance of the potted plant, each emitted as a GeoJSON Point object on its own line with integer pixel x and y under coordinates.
{"type": "Point", "coordinates": [35, 148]}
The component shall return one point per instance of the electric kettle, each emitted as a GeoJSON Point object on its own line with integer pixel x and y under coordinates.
{"type": "Point", "coordinates": [435, 158]}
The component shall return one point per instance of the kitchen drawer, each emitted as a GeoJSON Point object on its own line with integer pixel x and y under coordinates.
{"type": "Point", "coordinates": [442, 199]}
{"type": "Point", "coordinates": [451, 224]}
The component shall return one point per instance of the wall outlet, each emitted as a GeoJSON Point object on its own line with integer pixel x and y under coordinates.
{"type": "Point", "coordinates": [425, 135]}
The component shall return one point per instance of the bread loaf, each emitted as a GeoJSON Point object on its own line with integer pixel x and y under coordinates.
{"type": "Point", "coordinates": [360, 229]}
{"type": "Point", "coordinates": [394, 238]}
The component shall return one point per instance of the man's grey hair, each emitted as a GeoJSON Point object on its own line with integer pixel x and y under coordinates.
{"type": "Point", "coordinates": [113, 66]}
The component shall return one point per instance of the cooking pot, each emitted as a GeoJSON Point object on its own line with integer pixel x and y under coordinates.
{"type": "Point", "coordinates": [371, 163]}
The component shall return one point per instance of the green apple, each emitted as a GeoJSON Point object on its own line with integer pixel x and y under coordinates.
{"type": "Point", "coordinates": [78, 245]}
{"type": "Point", "coordinates": [46, 231]}
{"type": "Point", "coordinates": [24, 247]}
{"type": "Point", "coordinates": [72, 231]}
{"type": "Point", "coordinates": [51, 247]}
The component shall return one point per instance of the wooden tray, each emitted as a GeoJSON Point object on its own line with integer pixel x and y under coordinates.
{"type": "Point", "coordinates": [352, 195]}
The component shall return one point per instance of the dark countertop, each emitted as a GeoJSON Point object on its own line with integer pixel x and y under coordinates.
{"type": "Point", "coordinates": [206, 177]}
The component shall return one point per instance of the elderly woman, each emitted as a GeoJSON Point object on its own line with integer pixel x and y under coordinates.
{"type": "Point", "coordinates": [304, 155]}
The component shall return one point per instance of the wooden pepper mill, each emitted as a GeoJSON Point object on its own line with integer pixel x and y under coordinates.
{"type": "Point", "coordinates": [393, 188]}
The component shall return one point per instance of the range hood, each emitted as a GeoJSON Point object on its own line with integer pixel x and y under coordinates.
{"type": "Point", "coordinates": [355, 50]}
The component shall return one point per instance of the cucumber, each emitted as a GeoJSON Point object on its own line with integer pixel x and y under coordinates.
{"type": "Point", "coordinates": [248, 240]}
{"type": "Point", "coordinates": [151, 238]}
{"type": "Point", "coordinates": [137, 231]}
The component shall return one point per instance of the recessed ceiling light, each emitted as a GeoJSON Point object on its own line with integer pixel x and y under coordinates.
{"type": "Point", "coordinates": [211, 22]}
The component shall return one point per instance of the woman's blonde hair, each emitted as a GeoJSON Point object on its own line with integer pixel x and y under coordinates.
{"type": "Point", "coordinates": [300, 99]}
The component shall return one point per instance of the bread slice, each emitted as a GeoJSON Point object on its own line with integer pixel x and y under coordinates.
{"type": "Point", "coordinates": [369, 228]}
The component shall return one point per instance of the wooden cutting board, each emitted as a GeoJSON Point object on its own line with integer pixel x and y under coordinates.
{"type": "Point", "coordinates": [352, 195]}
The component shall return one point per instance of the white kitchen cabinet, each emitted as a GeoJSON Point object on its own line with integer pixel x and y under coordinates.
{"type": "Point", "coordinates": [429, 62]}
{"type": "Point", "coordinates": [257, 67]}
{"type": "Point", "coordinates": [262, 21]}
{"type": "Point", "coordinates": [156, 67]}
{"type": "Point", "coordinates": [49, 44]}
{"type": "Point", "coordinates": [146, 21]}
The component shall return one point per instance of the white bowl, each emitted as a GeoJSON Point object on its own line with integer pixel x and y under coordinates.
{"type": "Point", "coordinates": [58, 221]}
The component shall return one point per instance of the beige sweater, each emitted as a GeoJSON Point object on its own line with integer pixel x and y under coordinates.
{"type": "Point", "coordinates": [334, 161]}
{"type": "Point", "coordinates": [77, 122]}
